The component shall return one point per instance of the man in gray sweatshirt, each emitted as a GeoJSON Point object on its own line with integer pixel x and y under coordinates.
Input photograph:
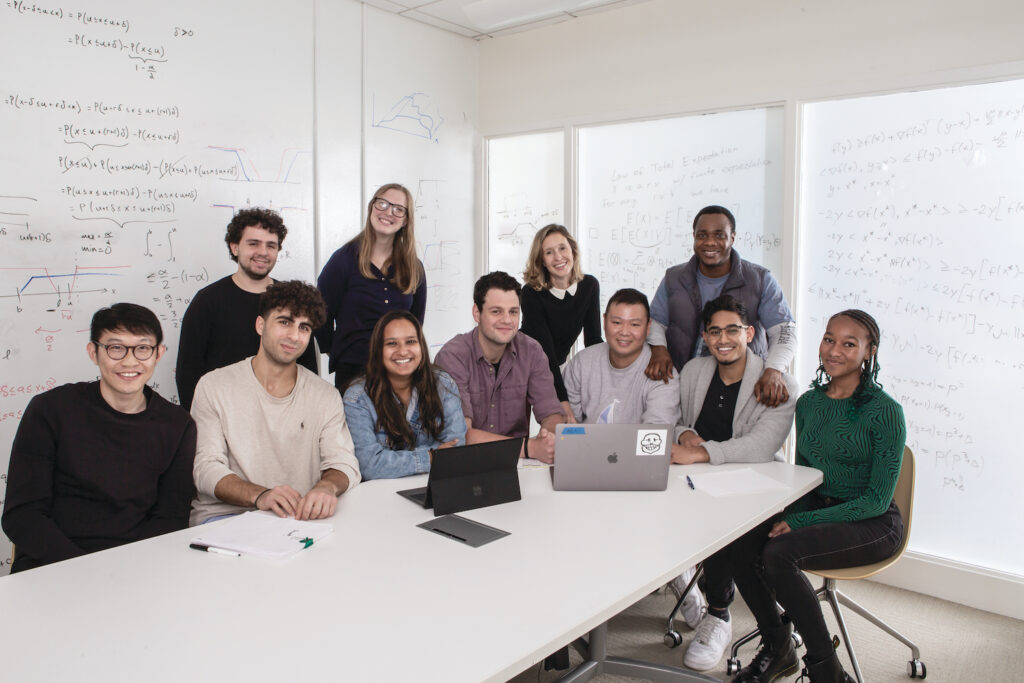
{"type": "Point", "coordinates": [722, 421]}
{"type": "Point", "coordinates": [606, 383]}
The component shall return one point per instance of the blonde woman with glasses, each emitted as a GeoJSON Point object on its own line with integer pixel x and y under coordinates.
{"type": "Point", "coordinates": [375, 272]}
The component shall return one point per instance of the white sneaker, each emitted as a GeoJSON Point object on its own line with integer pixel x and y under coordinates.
{"type": "Point", "coordinates": [708, 644]}
{"type": "Point", "coordinates": [694, 606]}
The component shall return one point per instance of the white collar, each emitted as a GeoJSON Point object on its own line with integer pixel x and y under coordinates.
{"type": "Point", "coordinates": [560, 293]}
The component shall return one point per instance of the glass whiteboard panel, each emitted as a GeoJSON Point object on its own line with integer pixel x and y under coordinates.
{"type": "Point", "coordinates": [121, 168]}
{"type": "Point", "coordinates": [641, 183]}
{"type": "Point", "coordinates": [912, 209]}
{"type": "Point", "coordinates": [525, 192]}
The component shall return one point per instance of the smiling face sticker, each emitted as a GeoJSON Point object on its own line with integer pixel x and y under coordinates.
{"type": "Point", "coordinates": [651, 442]}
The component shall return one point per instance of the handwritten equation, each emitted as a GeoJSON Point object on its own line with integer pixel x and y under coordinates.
{"type": "Point", "coordinates": [98, 33]}
{"type": "Point", "coordinates": [18, 101]}
{"type": "Point", "coordinates": [920, 221]}
{"type": "Point", "coordinates": [126, 153]}
{"type": "Point", "coordinates": [642, 183]}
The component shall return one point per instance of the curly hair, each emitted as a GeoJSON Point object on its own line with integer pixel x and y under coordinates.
{"type": "Point", "coordinates": [535, 274]}
{"type": "Point", "coordinates": [390, 414]}
{"type": "Point", "coordinates": [296, 296]}
{"type": "Point", "coordinates": [267, 219]}
{"type": "Point", "coordinates": [869, 384]}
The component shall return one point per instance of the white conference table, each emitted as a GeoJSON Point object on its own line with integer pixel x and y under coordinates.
{"type": "Point", "coordinates": [380, 599]}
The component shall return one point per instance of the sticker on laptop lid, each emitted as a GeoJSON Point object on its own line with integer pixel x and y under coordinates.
{"type": "Point", "coordinates": [572, 430]}
{"type": "Point", "coordinates": [651, 441]}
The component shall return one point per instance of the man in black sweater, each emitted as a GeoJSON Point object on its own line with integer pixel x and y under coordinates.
{"type": "Point", "coordinates": [99, 464]}
{"type": "Point", "coordinates": [219, 327]}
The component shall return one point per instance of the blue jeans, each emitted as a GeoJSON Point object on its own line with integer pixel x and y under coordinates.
{"type": "Point", "coordinates": [769, 570]}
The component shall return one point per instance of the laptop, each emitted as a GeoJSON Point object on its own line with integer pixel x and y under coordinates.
{"type": "Point", "coordinates": [470, 477]}
{"type": "Point", "coordinates": [612, 457]}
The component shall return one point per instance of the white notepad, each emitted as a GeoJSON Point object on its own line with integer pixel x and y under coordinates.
{"type": "Point", "coordinates": [733, 482]}
{"type": "Point", "coordinates": [264, 534]}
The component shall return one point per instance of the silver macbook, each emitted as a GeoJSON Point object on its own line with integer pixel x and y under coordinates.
{"type": "Point", "coordinates": [612, 457]}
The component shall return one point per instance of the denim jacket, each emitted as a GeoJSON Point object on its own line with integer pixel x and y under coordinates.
{"type": "Point", "coordinates": [376, 459]}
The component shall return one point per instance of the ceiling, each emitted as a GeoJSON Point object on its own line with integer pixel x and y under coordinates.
{"type": "Point", "coordinates": [482, 19]}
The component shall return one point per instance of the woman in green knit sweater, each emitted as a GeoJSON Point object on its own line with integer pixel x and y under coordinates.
{"type": "Point", "coordinates": [854, 432]}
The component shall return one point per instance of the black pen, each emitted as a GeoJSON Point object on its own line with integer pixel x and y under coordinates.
{"type": "Point", "coordinates": [689, 482]}
{"type": "Point", "coordinates": [211, 549]}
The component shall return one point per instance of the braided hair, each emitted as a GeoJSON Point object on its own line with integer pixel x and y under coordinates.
{"type": "Point", "coordinates": [869, 384]}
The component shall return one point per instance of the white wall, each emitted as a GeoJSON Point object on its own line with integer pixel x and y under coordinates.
{"type": "Point", "coordinates": [672, 56]}
{"type": "Point", "coordinates": [668, 56]}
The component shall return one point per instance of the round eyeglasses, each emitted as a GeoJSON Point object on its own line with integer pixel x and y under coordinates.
{"type": "Point", "coordinates": [119, 351]}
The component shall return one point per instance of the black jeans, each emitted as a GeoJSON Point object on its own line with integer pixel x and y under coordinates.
{"type": "Point", "coordinates": [769, 570]}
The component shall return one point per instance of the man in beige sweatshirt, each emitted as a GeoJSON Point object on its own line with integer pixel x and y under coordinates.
{"type": "Point", "coordinates": [272, 434]}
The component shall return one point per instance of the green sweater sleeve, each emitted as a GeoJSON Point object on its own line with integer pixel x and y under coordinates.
{"type": "Point", "coordinates": [867, 489]}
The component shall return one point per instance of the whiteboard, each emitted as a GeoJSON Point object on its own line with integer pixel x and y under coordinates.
{"type": "Point", "coordinates": [641, 183]}
{"type": "Point", "coordinates": [131, 134]}
{"type": "Point", "coordinates": [912, 208]}
{"type": "Point", "coordinates": [420, 112]}
{"type": "Point", "coordinates": [525, 192]}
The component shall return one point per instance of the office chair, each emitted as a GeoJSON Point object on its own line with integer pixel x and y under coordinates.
{"type": "Point", "coordinates": [828, 592]}
{"type": "Point", "coordinates": [672, 637]}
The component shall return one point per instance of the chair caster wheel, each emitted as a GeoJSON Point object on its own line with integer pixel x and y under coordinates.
{"type": "Point", "coordinates": [798, 639]}
{"type": "Point", "coordinates": [732, 666]}
{"type": "Point", "coordinates": [916, 669]}
{"type": "Point", "coordinates": [673, 639]}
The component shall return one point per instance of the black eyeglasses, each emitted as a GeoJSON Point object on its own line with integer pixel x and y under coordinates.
{"type": "Point", "coordinates": [119, 351]}
{"type": "Point", "coordinates": [397, 210]}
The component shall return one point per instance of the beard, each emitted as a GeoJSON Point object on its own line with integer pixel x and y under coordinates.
{"type": "Point", "coordinates": [254, 275]}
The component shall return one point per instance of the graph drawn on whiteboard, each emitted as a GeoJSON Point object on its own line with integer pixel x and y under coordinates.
{"type": "Point", "coordinates": [291, 165]}
{"type": "Point", "coordinates": [53, 292]}
{"type": "Point", "coordinates": [415, 114]}
{"type": "Point", "coordinates": [525, 192]}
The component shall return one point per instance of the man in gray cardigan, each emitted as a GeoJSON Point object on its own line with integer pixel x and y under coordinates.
{"type": "Point", "coordinates": [722, 421]}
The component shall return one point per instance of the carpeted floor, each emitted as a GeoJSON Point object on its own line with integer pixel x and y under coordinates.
{"type": "Point", "coordinates": [957, 643]}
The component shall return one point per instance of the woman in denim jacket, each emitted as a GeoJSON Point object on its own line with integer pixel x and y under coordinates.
{"type": "Point", "coordinates": [403, 407]}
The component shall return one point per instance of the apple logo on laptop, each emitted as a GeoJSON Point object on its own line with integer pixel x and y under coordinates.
{"type": "Point", "coordinates": [478, 490]}
{"type": "Point", "coordinates": [613, 458]}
